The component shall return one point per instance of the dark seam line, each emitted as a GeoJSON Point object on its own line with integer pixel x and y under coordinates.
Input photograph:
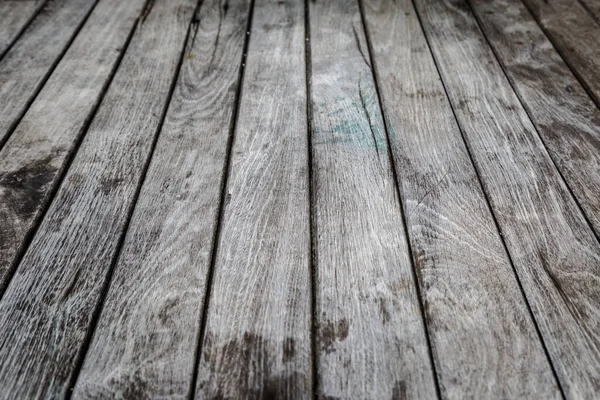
{"type": "Point", "coordinates": [490, 208]}
{"type": "Point", "coordinates": [578, 76]}
{"type": "Point", "coordinates": [535, 323]}
{"type": "Point", "coordinates": [60, 175]}
{"type": "Point", "coordinates": [532, 120]}
{"type": "Point", "coordinates": [146, 11]}
{"type": "Point", "coordinates": [81, 354]}
{"type": "Point", "coordinates": [222, 203]}
{"type": "Point", "coordinates": [589, 11]}
{"type": "Point", "coordinates": [22, 30]}
{"type": "Point", "coordinates": [36, 91]}
{"type": "Point", "coordinates": [414, 272]}
{"type": "Point", "coordinates": [314, 326]}
{"type": "Point", "coordinates": [217, 36]}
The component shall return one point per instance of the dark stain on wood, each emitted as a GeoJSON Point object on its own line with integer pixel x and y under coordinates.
{"type": "Point", "coordinates": [166, 312]}
{"type": "Point", "coordinates": [255, 380]}
{"type": "Point", "coordinates": [399, 392]}
{"type": "Point", "coordinates": [109, 185]}
{"type": "Point", "coordinates": [332, 332]}
{"type": "Point", "coordinates": [24, 189]}
{"type": "Point", "coordinates": [385, 315]}
{"type": "Point", "coordinates": [136, 387]}
{"type": "Point", "coordinates": [289, 349]}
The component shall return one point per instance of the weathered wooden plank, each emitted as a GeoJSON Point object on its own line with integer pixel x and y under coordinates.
{"type": "Point", "coordinates": [371, 341]}
{"type": "Point", "coordinates": [593, 7]}
{"type": "Point", "coordinates": [16, 14]}
{"type": "Point", "coordinates": [566, 118]}
{"type": "Point", "coordinates": [34, 158]}
{"type": "Point", "coordinates": [575, 35]}
{"type": "Point", "coordinates": [49, 307]}
{"type": "Point", "coordinates": [554, 250]}
{"type": "Point", "coordinates": [257, 335]}
{"type": "Point", "coordinates": [149, 324]}
{"type": "Point", "coordinates": [26, 66]}
{"type": "Point", "coordinates": [484, 341]}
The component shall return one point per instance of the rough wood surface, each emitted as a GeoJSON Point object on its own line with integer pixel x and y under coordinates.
{"type": "Point", "coordinates": [575, 35]}
{"type": "Point", "coordinates": [257, 335]}
{"type": "Point", "coordinates": [149, 325]}
{"type": "Point", "coordinates": [593, 7]}
{"type": "Point", "coordinates": [566, 118]}
{"type": "Point", "coordinates": [34, 158]}
{"type": "Point", "coordinates": [48, 308]}
{"type": "Point", "coordinates": [15, 15]}
{"type": "Point", "coordinates": [483, 338]}
{"type": "Point", "coordinates": [554, 250]}
{"type": "Point", "coordinates": [29, 62]}
{"type": "Point", "coordinates": [371, 341]}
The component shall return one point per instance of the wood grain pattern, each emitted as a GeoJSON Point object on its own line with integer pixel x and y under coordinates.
{"type": "Point", "coordinates": [554, 250]}
{"type": "Point", "coordinates": [48, 308]}
{"type": "Point", "coordinates": [16, 14]}
{"type": "Point", "coordinates": [150, 322]}
{"type": "Point", "coordinates": [25, 67]}
{"type": "Point", "coordinates": [34, 158]}
{"type": "Point", "coordinates": [371, 341]}
{"type": "Point", "coordinates": [484, 341]}
{"type": "Point", "coordinates": [575, 35]}
{"type": "Point", "coordinates": [593, 7]}
{"type": "Point", "coordinates": [566, 118]}
{"type": "Point", "coordinates": [257, 335]}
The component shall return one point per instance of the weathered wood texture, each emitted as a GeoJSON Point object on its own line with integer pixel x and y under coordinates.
{"type": "Point", "coordinates": [26, 66]}
{"type": "Point", "coordinates": [34, 158]}
{"type": "Point", "coordinates": [371, 341]}
{"type": "Point", "coordinates": [14, 17]}
{"type": "Point", "coordinates": [257, 335]}
{"type": "Point", "coordinates": [553, 248]}
{"type": "Point", "coordinates": [149, 325]}
{"type": "Point", "coordinates": [48, 308]}
{"type": "Point", "coordinates": [566, 118]}
{"type": "Point", "coordinates": [483, 338]}
{"type": "Point", "coordinates": [575, 35]}
{"type": "Point", "coordinates": [593, 7]}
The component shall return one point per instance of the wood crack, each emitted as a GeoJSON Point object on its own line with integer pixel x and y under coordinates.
{"type": "Point", "coordinates": [222, 13]}
{"type": "Point", "coordinates": [69, 288]}
{"type": "Point", "coordinates": [430, 191]}
{"type": "Point", "coordinates": [364, 106]}
{"type": "Point", "coordinates": [360, 50]}
{"type": "Point", "coordinates": [147, 10]}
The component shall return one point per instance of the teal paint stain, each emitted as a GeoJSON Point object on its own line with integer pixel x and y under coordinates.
{"type": "Point", "coordinates": [364, 129]}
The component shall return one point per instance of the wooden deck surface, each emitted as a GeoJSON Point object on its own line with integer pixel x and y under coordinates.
{"type": "Point", "coordinates": [333, 199]}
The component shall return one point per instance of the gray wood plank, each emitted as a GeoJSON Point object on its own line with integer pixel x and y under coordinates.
{"type": "Point", "coordinates": [575, 35]}
{"type": "Point", "coordinates": [49, 307]}
{"type": "Point", "coordinates": [257, 336]}
{"type": "Point", "coordinates": [566, 118]}
{"type": "Point", "coordinates": [554, 250]}
{"type": "Point", "coordinates": [484, 340]}
{"type": "Point", "coordinates": [16, 14]}
{"type": "Point", "coordinates": [34, 158]}
{"type": "Point", "coordinates": [593, 7]}
{"type": "Point", "coordinates": [371, 341]}
{"type": "Point", "coordinates": [26, 66]}
{"type": "Point", "coordinates": [150, 322]}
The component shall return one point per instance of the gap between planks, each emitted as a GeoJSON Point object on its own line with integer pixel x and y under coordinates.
{"type": "Point", "coordinates": [6, 42]}
{"type": "Point", "coordinates": [222, 200]}
{"type": "Point", "coordinates": [119, 247]}
{"type": "Point", "coordinates": [401, 198]}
